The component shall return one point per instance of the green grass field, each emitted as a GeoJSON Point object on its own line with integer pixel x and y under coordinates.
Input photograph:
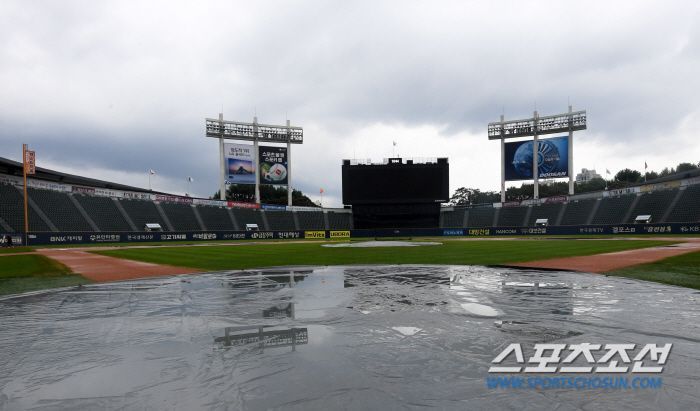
{"type": "Point", "coordinates": [242, 256]}
{"type": "Point", "coordinates": [31, 272]}
{"type": "Point", "coordinates": [682, 270]}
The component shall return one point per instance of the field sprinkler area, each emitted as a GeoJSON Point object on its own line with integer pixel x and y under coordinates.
{"type": "Point", "coordinates": [344, 337]}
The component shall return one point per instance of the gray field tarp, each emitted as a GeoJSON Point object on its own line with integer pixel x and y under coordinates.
{"type": "Point", "coordinates": [342, 337]}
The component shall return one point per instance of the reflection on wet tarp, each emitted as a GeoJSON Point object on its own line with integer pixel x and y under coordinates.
{"type": "Point", "coordinates": [346, 337]}
{"type": "Point", "coordinates": [271, 338]}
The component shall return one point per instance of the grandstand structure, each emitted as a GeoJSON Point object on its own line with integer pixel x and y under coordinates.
{"type": "Point", "coordinates": [59, 202]}
{"type": "Point", "coordinates": [62, 203]}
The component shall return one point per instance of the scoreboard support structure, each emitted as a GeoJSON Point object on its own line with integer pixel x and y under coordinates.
{"type": "Point", "coordinates": [534, 127]}
{"type": "Point", "coordinates": [255, 132]}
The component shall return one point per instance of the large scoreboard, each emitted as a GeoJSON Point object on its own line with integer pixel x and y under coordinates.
{"type": "Point", "coordinates": [396, 182]}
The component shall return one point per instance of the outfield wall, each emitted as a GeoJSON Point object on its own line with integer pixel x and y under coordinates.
{"type": "Point", "coordinates": [207, 236]}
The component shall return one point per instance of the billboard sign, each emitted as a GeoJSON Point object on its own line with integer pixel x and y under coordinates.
{"type": "Point", "coordinates": [273, 165]}
{"type": "Point", "coordinates": [552, 159]}
{"type": "Point", "coordinates": [240, 163]}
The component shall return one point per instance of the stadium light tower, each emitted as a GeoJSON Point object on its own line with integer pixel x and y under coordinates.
{"type": "Point", "coordinates": [233, 130]}
{"type": "Point", "coordinates": [536, 126]}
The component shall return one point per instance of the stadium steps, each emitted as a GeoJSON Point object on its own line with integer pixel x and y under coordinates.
{"type": "Point", "coordinates": [248, 216]}
{"type": "Point", "coordinates": [528, 213]}
{"type": "Point", "coordinates": [654, 203]}
{"type": "Point", "coordinates": [513, 216]}
{"type": "Point", "coordinates": [560, 216]}
{"type": "Point", "coordinates": [6, 227]}
{"type": "Point", "coordinates": [82, 212]}
{"type": "Point", "coordinates": [181, 216]}
{"type": "Point", "coordinates": [215, 218]}
{"type": "Point", "coordinates": [577, 212]}
{"type": "Point", "coordinates": [326, 224]}
{"type": "Point", "coordinates": [688, 207]}
{"type": "Point", "coordinates": [103, 211]}
{"type": "Point", "coordinates": [550, 211]}
{"type": "Point", "coordinates": [465, 220]}
{"type": "Point", "coordinates": [671, 206]}
{"type": "Point", "coordinates": [233, 219]}
{"type": "Point", "coordinates": [633, 206]}
{"type": "Point", "coordinates": [124, 214]}
{"type": "Point", "coordinates": [614, 210]}
{"type": "Point", "coordinates": [280, 220]}
{"type": "Point", "coordinates": [142, 212]}
{"type": "Point", "coordinates": [296, 221]}
{"type": "Point", "coordinates": [496, 215]}
{"type": "Point", "coordinates": [594, 211]}
{"type": "Point", "coordinates": [311, 220]}
{"type": "Point", "coordinates": [163, 216]}
{"type": "Point", "coordinates": [12, 210]}
{"type": "Point", "coordinates": [57, 205]}
{"type": "Point", "coordinates": [263, 214]}
{"type": "Point", "coordinates": [202, 226]}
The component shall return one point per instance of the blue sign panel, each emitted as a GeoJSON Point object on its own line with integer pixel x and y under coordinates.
{"type": "Point", "coordinates": [552, 159]}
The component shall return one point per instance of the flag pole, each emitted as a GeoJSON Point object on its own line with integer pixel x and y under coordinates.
{"type": "Point", "coordinates": [24, 168]}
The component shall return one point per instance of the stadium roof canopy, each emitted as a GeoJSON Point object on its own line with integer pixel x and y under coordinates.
{"type": "Point", "coordinates": [15, 168]}
{"type": "Point", "coordinates": [676, 176]}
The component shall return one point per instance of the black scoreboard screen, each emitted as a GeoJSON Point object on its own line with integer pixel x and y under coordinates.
{"type": "Point", "coordinates": [396, 183]}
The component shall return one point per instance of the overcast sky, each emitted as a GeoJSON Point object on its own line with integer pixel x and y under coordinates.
{"type": "Point", "coordinates": [112, 89]}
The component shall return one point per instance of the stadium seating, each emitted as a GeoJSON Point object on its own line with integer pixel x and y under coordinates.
{"type": "Point", "coordinates": [103, 212]}
{"type": "Point", "coordinates": [59, 209]}
{"type": "Point", "coordinates": [280, 220]}
{"type": "Point", "coordinates": [248, 216]}
{"type": "Point", "coordinates": [654, 203]}
{"type": "Point", "coordinates": [215, 218]}
{"type": "Point", "coordinates": [549, 211]}
{"type": "Point", "coordinates": [481, 217]}
{"type": "Point", "coordinates": [688, 207]}
{"type": "Point", "coordinates": [311, 220]}
{"type": "Point", "coordinates": [612, 210]}
{"type": "Point", "coordinates": [339, 221]}
{"type": "Point", "coordinates": [453, 218]}
{"type": "Point", "coordinates": [180, 216]}
{"type": "Point", "coordinates": [577, 212]}
{"type": "Point", "coordinates": [143, 212]}
{"type": "Point", "coordinates": [512, 216]}
{"type": "Point", "coordinates": [12, 211]}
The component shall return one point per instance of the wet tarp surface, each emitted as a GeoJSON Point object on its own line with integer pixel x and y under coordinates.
{"type": "Point", "coordinates": [345, 337]}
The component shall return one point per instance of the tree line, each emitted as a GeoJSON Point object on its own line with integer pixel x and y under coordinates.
{"type": "Point", "coordinates": [268, 194]}
{"type": "Point", "coordinates": [623, 178]}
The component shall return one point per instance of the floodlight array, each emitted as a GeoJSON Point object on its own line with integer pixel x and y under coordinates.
{"type": "Point", "coordinates": [247, 131]}
{"type": "Point", "coordinates": [543, 125]}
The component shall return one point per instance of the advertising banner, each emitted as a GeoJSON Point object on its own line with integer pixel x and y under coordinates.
{"type": "Point", "coordinates": [273, 165]}
{"type": "Point", "coordinates": [240, 163]}
{"type": "Point", "coordinates": [243, 205]}
{"type": "Point", "coordinates": [661, 186]}
{"type": "Point", "coordinates": [552, 159]}
{"type": "Point", "coordinates": [175, 199]}
{"type": "Point", "coordinates": [273, 207]}
{"type": "Point", "coordinates": [621, 191]}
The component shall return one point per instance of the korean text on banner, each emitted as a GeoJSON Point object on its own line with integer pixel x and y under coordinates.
{"type": "Point", "coordinates": [240, 163]}
{"type": "Point", "coordinates": [29, 162]}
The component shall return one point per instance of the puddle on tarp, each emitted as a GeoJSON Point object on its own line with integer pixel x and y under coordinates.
{"type": "Point", "coordinates": [344, 337]}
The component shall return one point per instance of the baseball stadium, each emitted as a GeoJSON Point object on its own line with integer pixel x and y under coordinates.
{"type": "Point", "coordinates": [151, 299]}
